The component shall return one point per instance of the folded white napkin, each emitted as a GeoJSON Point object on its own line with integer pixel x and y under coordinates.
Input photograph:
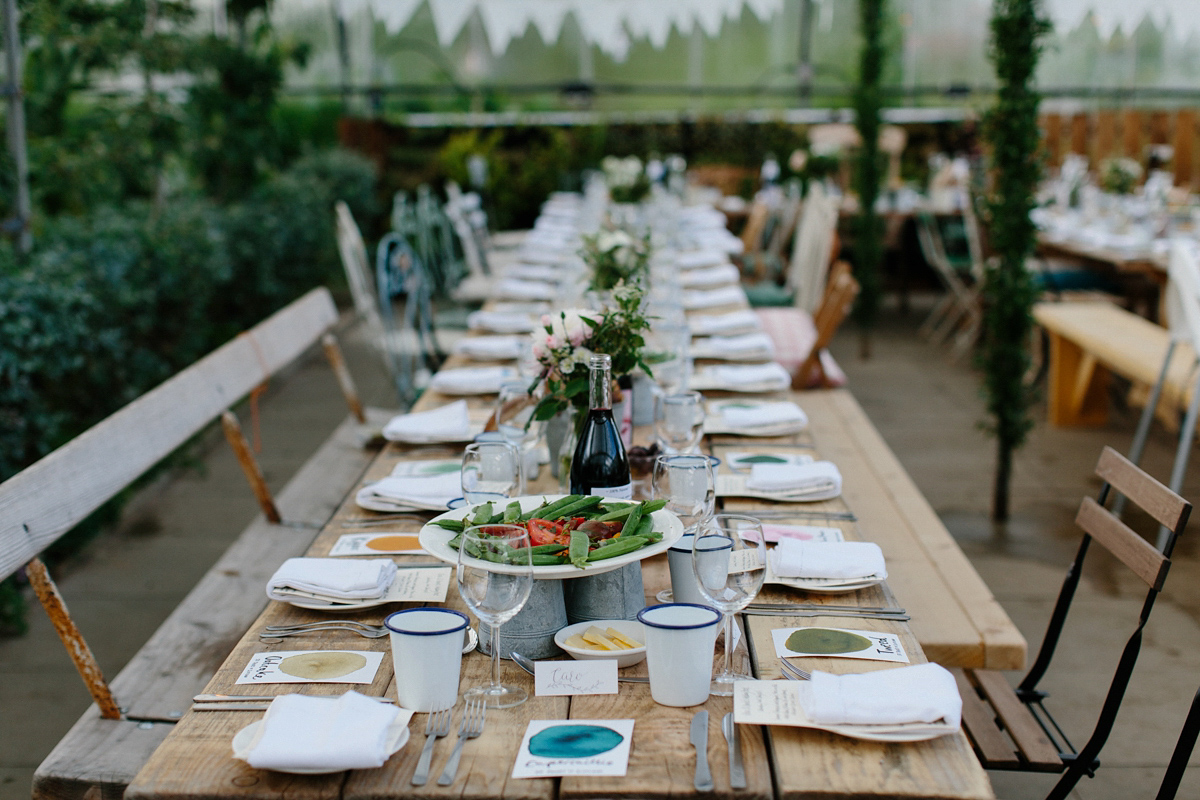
{"type": "Point", "coordinates": [471, 380]}
{"type": "Point", "coordinates": [712, 298]}
{"type": "Point", "coordinates": [419, 491]}
{"type": "Point", "coordinates": [700, 259]}
{"type": "Point", "coordinates": [445, 423]}
{"type": "Point", "coordinates": [335, 578]}
{"type": "Point", "coordinates": [710, 276]}
{"type": "Point", "coordinates": [919, 693]}
{"type": "Point", "coordinates": [735, 345]}
{"type": "Point", "coordinates": [751, 374]}
{"type": "Point", "coordinates": [520, 289]}
{"type": "Point", "coordinates": [762, 414]}
{"type": "Point", "coordinates": [491, 347]}
{"type": "Point", "coordinates": [334, 733]}
{"type": "Point", "coordinates": [819, 476]}
{"type": "Point", "coordinates": [549, 253]}
{"type": "Point", "coordinates": [501, 322]}
{"type": "Point", "coordinates": [533, 272]}
{"type": "Point", "coordinates": [723, 323]}
{"type": "Point", "coordinates": [797, 558]}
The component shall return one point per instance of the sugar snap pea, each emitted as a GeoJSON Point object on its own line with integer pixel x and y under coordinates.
{"type": "Point", "coordinates": [546, 509]}
{"type": "Point", "coordinates": [578, 550]}
{"type": "Point", "coordinates": [617, 547]}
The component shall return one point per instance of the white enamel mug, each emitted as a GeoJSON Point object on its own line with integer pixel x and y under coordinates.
{"type": "Point", "coordinates": [427, 650]}
{"type": "Point", "coordinates": [680, 638]}
{"type": "Point", "coordinates": [684, 587]}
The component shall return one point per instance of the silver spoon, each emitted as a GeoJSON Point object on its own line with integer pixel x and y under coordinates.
{"type": "Point", "coordinates": [526, 664]}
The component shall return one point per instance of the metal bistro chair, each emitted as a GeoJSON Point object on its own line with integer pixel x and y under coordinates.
{"type": "Point", "coordinates": [417, 354]}
{"type": "Point", "coordinates": [960, 309]}
{"type": "Point", "coordinates": [1183, 321]}
{"type": "Point", "coordinates": [1011, 728]}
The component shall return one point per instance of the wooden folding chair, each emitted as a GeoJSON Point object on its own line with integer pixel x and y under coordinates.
{"type": "Point", "coordinates": [1011, 729]}
{"type": "Point", "coordinates": [812, 251]}
{"type": "Point", "coordinates": [840, 293]}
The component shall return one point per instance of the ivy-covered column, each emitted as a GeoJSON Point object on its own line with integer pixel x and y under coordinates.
{"type": "Point", "coordinates": [1012, 132]}
{"type": "Point", "coordinates": [868, 239]}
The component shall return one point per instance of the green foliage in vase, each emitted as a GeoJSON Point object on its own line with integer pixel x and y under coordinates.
{"type": "Point", "coordinates": [1018, 26]}
{"type": "Point", "coordinates": [615, 257]}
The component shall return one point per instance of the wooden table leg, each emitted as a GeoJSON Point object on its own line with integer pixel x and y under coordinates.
{"type": "Point", "coordinates": [1078, 395]}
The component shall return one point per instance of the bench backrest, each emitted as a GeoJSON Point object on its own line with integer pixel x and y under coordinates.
{"type": "Point", "coordinates": [48, 498]}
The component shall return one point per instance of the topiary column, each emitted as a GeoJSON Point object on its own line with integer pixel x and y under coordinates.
{"type": "Point", "coordinates": [1012, 131]}
{"type": "Point", "coordinates": [868, 239]}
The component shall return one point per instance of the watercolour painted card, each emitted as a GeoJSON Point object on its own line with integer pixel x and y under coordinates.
{"type": "Point", "coordinates": [838, 643]}
{"type": "Point", "coordinates": [312, 666]}
{"type": "Point", "coordinates": [555, 748]}
{"type": "Point", "coordinates": [378, 543]}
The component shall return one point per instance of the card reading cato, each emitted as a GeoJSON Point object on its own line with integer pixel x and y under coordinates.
{"type": "Point", "coordinates": [312, 666]}
{"type": "Point", "coordinates": [557, 748]}
{"type": "Point", "coordinates": [838, 643]}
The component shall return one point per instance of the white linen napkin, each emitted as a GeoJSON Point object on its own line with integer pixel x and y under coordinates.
{"type": "Point", "coordinates": [471, 380]}
{"type": "Point", "coordinates": [334, 578]}
{"type": "Point", "coordinates": [797, 558]}
{"type": "Point", "coordinates": [713, 298]}
{"type": "Point", "coordinates": [710, 276]}
{"type": "Point", "coordinates": [724, 323]}
{"type": "Point", "coordinates": [751, 374]}
{"type": "Point", "coordinates": [334, 733]}
{"type": "Point", "coordinates": [735, 345]}
{"type": "Point", "coordinates": [699, 259]}
{"type": "Point", "coordinates": [819, 476]}
{"type": "Point", "coordinates": [501, 322]}
{"type": "Point", "coordinates": [419, 491]}
{"type": "Point", "coordinates": [450, 422]}
{"type": "Point", "coordinates": [918, 693]}
{"type": "Point", "coordinates": [521, 289]}
{"type": "Point", "coordinates": [533, 272]}
{"type": "Point", "coordinates": [491, 347]}
{"type": "Point", "coordinates": [762, 414]}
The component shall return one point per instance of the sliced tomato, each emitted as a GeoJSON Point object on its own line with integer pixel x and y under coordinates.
{"type": "Point", "coordinates": [543, 531]}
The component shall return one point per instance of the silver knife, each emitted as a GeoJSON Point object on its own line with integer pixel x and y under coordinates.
{"type": "Point", "coordinates": [737, 771]}
{"type": "Point", "coordinates": [703, 781]}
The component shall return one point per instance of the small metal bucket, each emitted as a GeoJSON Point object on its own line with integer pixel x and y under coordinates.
{"type": "Point", "coordinates": [531, 631]}
{"type": "Point", "coordinates": [611, 595]}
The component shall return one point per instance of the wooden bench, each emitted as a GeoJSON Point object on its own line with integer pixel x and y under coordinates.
{"type": "Point", "coordinates": [110, 742]}
{"type": "Point", "coordinates": [1091, 341]}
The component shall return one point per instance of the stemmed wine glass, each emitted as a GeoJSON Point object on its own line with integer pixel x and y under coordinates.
{"type": "Point", "coordinates": [514, 419]}
{"type": "Point", "coordinates": [686, 483]}
{"type": "Point", "coordinates": [495, 577]}
{"type": "Point", "coordinates": [490, 471]}
{"type": "Point", "coordinates": [679, 421]}
{"type": "Point", "coordinates": [729, 558]}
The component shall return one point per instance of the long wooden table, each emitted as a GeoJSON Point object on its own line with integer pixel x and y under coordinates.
{"type": "Point", "coordinates": [956, 622]}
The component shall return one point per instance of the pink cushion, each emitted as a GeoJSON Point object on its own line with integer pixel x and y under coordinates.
{"type": "Point", "coordinates": [793, 333]}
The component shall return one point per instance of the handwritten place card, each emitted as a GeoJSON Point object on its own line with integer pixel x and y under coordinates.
{"type": "Point", "coordinates": [312, 666]}
{"type": "Point", "coordinates": [373, 544]}
{"type": "Point", "coordinates": [558, 748]}
{"type": "Point", "coordinates": [420, 585]}
{"type": "Point", "coordinates": [838, 643]}
{"type": "Point", "coordinates": [768, 703]}
{"type": "Point", "coordinates": [597, 676]}
{"type": "Point", "coordinates": [806, 533]}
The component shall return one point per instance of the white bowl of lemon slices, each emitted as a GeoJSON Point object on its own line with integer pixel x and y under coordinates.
{"type": "Point", "coordinates": [620, 639]}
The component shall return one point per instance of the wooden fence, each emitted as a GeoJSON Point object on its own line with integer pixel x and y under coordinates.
{"type": "Point", "coordinates": [1128, 132]}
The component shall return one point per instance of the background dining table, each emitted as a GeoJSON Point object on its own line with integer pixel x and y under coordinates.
{"type": "Point", "coordinates": [954, 619]}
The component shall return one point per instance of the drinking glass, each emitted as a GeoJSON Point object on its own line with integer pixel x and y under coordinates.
{"type": "Point", "coordinates": [490, 471]}
{"type": "Point", "coordinates": [679, 421]}
{"type": "Point", "coordinates": [686, 483]}
{"type": "Point", "coordinates": [729, 559]}
{"type": "Point", "coordinates": [514, 419]}
{"type": "Point", "coordinates": [495, 577]}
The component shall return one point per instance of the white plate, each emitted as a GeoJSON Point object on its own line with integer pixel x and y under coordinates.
{"type": "Point", "coordinates": [436, 540]}
{"type": "Point", "coordinates": [244, 739]}
{"type": "Point", "coordinates": [387, 506]}
{"type": "Point", "coordinates": [917, 732]}
{"type": "Point", "coordinates": [827, 585]}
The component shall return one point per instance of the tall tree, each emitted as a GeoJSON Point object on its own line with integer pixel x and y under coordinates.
{"type": "Point", "coordinates": [868, 101]}
{"type": "Point", "coordinates": [1017, 27]}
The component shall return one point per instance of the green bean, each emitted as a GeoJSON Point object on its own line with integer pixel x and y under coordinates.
{"type": "Point", "coordinates": [552, 508]}
{"type": "Point", "coordinates": [578, 550]}
{"type": "Point", "coordinates": [455, 525]}
{"type": "Point", "coordinates": [644, 528]}
{"type": "Point", "coordinates": [617, 513]}
{"type": "Point", "coordinates": [539, 550]}
{"type": "Point", "coordinates": [549, 561]}
{"type": "Point", "coordinates": [635, 519]}
{"type": "Point", "coordinates": [574, 509]}
{"type": "Point", "coordinates": [617, 547]}
{"type": "Point", "coordinates": [482, 514]}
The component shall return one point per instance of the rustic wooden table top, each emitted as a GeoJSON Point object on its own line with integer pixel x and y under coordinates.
{"type": "Point", "coordinates": [955, 620]}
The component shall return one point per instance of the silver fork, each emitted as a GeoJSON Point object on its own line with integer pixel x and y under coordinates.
{"type": "Point", "coordinates": [437, 726]}
{"type": "Point", "coordinates": [470, 728]}
{"type": "Point", "coordinates": [326, 623]}
{"type": "Point", "coordinates": [794, 673]}
{"type": "Point", "coordinates": [366, 634]}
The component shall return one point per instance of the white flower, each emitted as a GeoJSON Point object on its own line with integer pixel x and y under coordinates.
{"type": "Point", "coordinates": [610, 240]}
